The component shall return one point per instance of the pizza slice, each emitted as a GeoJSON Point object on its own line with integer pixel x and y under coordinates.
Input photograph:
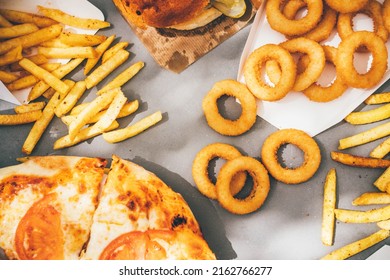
{"type": "Point", "coordinates": [46, 206]}
{"type": "Point", "coordinates": [140, 217]}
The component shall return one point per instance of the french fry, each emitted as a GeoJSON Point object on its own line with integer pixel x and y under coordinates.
{"type": "Point", "coordinates": [17, 30]}
{"type": "Point", "coordinates": [81, 40]}
{"type": "Point", "coordinates": [11, 56]}
{"type": "Point", "coordinates": [7, 77]}
{"type": "Point", "coordinates": [84, 134]}
{"type": "Point", "coordinates": [378, 98]}
{"type": "Point", "coordinates": [123, 77]}
{"type": "Point", "coordinates": [50, 66]}
{"type": "Point", "coordinates": [61, 72]}
{"type": "Point", "coordinates": [37, 59]}
{"type": "Point", "coordinates": [132, 130]}
{"type": "Point", "coordinates": [23, 17]}
{"type": "Point", "coordinates": [42, 123]}
{"type": "Point", "coordinates": [91, 62]}
{"type": "Point", "coordinates": [381, 150]}
{"type": "Point", "coordinates": [44, 75]}
{"type": "Point", "coordinates": [126, 110]}
{"type": "Point", "coordinates": [24, 159]}
{"type": "Point", "coordinates": [31, 80]}
{"type": "Point", "coordinates": [364, 137]}
{"type": "Point", "coordinates": [369, 216]}
{"type": "Point", "coordinates": [113, 50]}
{"type": "Point", "coordinates": [329, 205]}
{"type": "Point", "coordinates": [384, 224]}
{"type": "Point", "coordinates": [24, 108]}
{"type": "Point", "coordinates": [20, 118]}
{"type": "Point", "coordinates": [383, 182]}
{"type": "Point", "coordinates": [372, 198]}
{"type": "Point", "coordinates": [70, 20]}
{"type": "Point", "coordinates": [106, 68]}
{"type": "Point", "coordinates": [32, 39]}
{"type": "Point", "coordinates": [4, 22]}
{"type": "Point", "coordinates": [111, 113]}
{"type": "Point", "coordinates": [92, 109]}
{"type": "Point", "coordinates": [357, 246]}
{"type": "Point", "coordinates": [71, 52]}
{"type": "Point", "coordinates": [78, 108]}
{"type": "Point", "coordinates": [24, 82]}
{"type": "Point", "coordinates": [370, 116]}
{"type": "Point", "coordinates": [71, 99]}
{"type": "Point", "coordinates": [359, 161]}
{"type": "Point", "coordinates": [49, 93]}
{"type": "Point", "coordinates": [54, 43]}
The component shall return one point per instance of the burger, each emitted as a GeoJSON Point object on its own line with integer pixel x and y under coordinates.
{"type": "Point", "coordinates": [178, 14]}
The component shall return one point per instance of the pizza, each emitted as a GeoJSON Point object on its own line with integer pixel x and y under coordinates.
{"type": "Point", "coordinates": [63, 207]}
{"type": "Point", "coordinates": [140, 217]}
{"type": "Point", "coordinates": [47, 205]}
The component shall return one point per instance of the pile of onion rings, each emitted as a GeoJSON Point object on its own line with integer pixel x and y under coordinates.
{"type": "Point", "coordinates": [231, 178]}
{"type": "Point", "coordinates": [232, 175]}
{"type": "Point", "coordinates": [304, 36]}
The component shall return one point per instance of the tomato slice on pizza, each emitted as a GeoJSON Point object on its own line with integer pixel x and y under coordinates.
{"type": "Point", "coordinates": [157, 245]}
{"type": "Point", "coordinates": [39, 235]}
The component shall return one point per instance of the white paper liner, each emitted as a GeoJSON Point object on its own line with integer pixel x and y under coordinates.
{"type": "Point", "coordinates": [295, 110]}
{"type": "Point", "coordinates": [79, 8]}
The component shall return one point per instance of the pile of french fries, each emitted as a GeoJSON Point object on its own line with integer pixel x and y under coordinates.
{"type": "Point", "coordinates": [380, 196]}
{"type": "Point", "coordinates": [28, 45]}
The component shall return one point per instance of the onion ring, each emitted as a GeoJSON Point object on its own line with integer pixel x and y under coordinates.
{"type": "Point", "coordinates": [373, 9]}
{"type": "Point", "coordinates": [317, 60]}
{"type": "Point", "coordinates": [386, 14]}
{"type": "Point", "coordinates": [318, 93]}
{"type": "Point", "coordinates": [254, 64]}
{"type": "Point", "coordinates": [312, 156]}
{"type": "Point", "coordinates": [259, 192]}
{"type": "Point", "coordinates": [345, 59]}
{"type": "Point", "coordinates": [247, 101]}
{"type": "Point", "coordinates": [279, 22]}
{"type": "Point", "coordinates": [323, 29]}
{"type": "Point", "coordinates": [346, 6]}
{"type": "Point", "coordinates": [200, 168]}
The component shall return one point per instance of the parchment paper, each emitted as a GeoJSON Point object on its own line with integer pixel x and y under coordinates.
{"type": "Point", "coordinates": [175, 50]}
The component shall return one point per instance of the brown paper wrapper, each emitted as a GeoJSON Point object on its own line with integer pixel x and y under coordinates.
{"type": "Point", "coordinates": [175, 50]}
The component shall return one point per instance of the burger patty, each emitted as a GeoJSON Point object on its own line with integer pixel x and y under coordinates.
{"type": "Point", "coordinates": [164, 13]}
